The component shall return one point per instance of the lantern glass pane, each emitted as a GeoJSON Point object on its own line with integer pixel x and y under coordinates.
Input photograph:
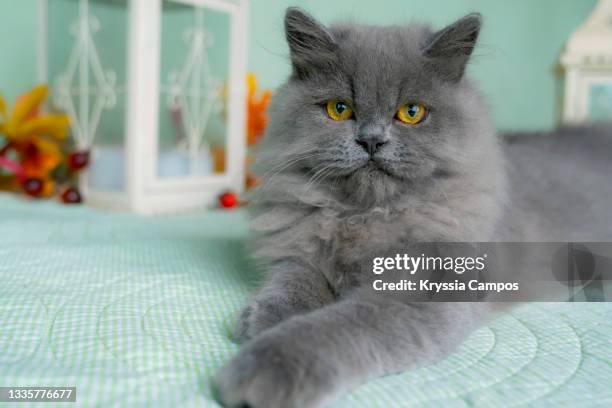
{"type": "Point", "coordinates": [193, 101]}
{"type": "Point", "coordinates": [600, 101]}
{"type": "Point", "coordinates": [87, 48]}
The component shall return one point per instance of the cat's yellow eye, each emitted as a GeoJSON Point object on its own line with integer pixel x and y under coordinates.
{"type": "Point", "coordinates": [412, 113]}
{"type": "Point", "coordinates": [339, 110]}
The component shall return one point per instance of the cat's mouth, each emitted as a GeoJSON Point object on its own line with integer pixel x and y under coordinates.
{"type": "Point", "coordinates": [376, 165]}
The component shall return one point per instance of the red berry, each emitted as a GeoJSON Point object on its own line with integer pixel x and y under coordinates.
{"type": "Point", "coordinates": [228, 200]}
{"type": "Point", "coordinates": [71, 196]}
{"type": "Point", "coordinates": [33, 187]}
{"type": "Point", "coordinates": [78, 160]}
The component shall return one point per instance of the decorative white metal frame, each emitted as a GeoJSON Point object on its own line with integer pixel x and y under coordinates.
{"type": "Point", "coordinates": [83, 57]}
{"type": "Point", "coordinates": [194, 90]}
{"type": "Point", "coordinates": [587, 61]}
{"type": "Point", "coordinates": [145, 191]}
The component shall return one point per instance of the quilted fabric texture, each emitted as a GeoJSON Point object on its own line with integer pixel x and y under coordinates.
{"type": "Point", "coordinates": [136, 312]}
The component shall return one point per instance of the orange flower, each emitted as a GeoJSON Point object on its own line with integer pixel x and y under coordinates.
{"type": "Point", "coordinates": [39, 159]}
{"type": "Point", "coordinates": [257, 118]}
{"type": "Point", "coordinates": [35, 137]}
{"type": "Point", "coordinates": [25, 122]}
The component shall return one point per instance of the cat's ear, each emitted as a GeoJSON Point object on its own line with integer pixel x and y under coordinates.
{"type": "Point", "coordinates": [449, 49]}
{"type": "Point", "coordinates": [311, 45]}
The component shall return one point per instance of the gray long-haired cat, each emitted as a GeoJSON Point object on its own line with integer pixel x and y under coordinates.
{"type": "Point", "coordinates": [376, 141]}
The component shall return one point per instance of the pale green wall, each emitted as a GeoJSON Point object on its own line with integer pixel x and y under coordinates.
{"type": "Point", "coordinates": [520, 44]}
{"type": "Point", "coordinates": [17, 46]}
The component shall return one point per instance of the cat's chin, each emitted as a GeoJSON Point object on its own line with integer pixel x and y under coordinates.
{"type": "Point", "coordinates": [372, 184]}
{"type": "Point", "coordinates": [376, 170]}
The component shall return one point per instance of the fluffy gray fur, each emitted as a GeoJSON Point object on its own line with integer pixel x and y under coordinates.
{"type": "Point", "coordinates": [327, 205]}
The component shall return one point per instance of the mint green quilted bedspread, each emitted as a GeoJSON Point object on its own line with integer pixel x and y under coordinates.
{"type": "Point", "coordinates": [137, 311]}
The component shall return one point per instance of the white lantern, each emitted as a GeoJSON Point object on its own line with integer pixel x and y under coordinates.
{"type": "Point", "coordinates": [587, 62]}
{"type": "Point", "coordinates": [152, 87]}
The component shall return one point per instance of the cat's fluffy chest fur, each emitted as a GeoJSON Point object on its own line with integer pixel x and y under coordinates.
{"type": "Point", "coordinates": [340, 240]}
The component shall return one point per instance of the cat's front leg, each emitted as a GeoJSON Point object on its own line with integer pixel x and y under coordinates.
{"type": "Point", "coordinates": [309, 360]}
{"type": "Point", "coordinates": [290, 289]}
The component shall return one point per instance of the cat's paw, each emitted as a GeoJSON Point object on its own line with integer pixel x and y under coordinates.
{"type": "Point", "coordinates": [260, 315]}
{"type": "Point", "coordinates": [272, 373]}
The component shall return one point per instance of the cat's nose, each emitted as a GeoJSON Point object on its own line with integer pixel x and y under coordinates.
{"type": "Point", "coordinates": [371, 137]}
{"type": "Point", "coordinates": [371, 143]}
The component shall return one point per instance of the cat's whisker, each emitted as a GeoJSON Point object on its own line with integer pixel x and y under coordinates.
{"type": "Point", "coordinates": [316, 171]}
{"type": "Point", "coordinates": [319, 176]}
{"type": "Point", "coordinates": [285, 164]}
{"type": "Point", "coordinates": [300, 156]}
{"type": "Point", "coordinates": [271, 174]}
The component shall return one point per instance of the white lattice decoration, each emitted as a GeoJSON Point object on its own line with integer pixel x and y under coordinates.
{"type": "Point", "coordinates": [68, 86]}
{"type": "Point", "coordinates": [193, 90]}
